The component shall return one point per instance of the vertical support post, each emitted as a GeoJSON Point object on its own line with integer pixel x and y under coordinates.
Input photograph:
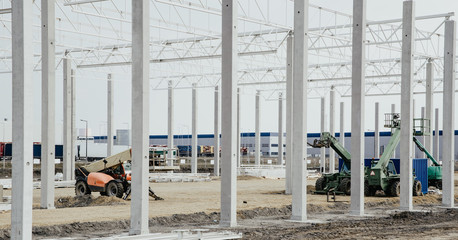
{"type": "Point", "coordinates": [393, 110]}
{"type": "Point", "coordinates": [289, 113]}
{"type": "Point", "coordinates": [332, 153]}
{"type": "Point", "coordinates": [48, 99]}
{"type": "Point", "coordinates": [194, 130]}
{"type": "Point", "coordinates": [300, 69]}
{"type": "Point", "coordinates": [342, 124]}
{"type": "Point", "coordinates": [448, 135]}
{"type": "Point", "coordinates": [280, 129]}
{"type": "Point", "coordinates": [216, 133]}
{"type": "Point", "coordinates": [423, 138]}
{"type": "Point", "coordinates": [407, 64]}
{"type": "Point", "coordinates": [238, 127]}
{"type": "Point", "coordinates": [110, 113]}
{"type": "Point", "coordinates": [357, 109]}
{"type": "Point", "coordinates": [73, 126]}
{"type": "Point", "coordinates": [377, 131]}
{"type": "Point", "coordinates": [67, 132]}
{"type": "Point", "coordinates": [430, 106]}
{"type": "Point", "coordinates": [170, 121]}
{"type": "Point", "coordinates": [140, 117]}
{"type": "Point", "coordinates": [436, 136]}
{"type": "Point", "coordinates": [229, 115]}
{"type": "Point", "coordinates": [21, 202]}
{"type": "Point", "coordinates": [257, 136]}
{"type": "Point", "coordinates": [413, 116]}
{"type": "Point", "coordinates": [323, 129]}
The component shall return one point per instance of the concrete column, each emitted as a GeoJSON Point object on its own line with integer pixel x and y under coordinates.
{"type": "Point", "coordinates": [323, 129]}
{"type": "Point", "coordinates": [257, 136]}
{"type": "Point", "coordinates": [436, 135]}
{"type": "Point", "coordinates": [216, 133]}
{"type": "Point", "coordinates": [342, 123]}
{"type": "Point", "coordinates": [48, 102]}
{"type": "Point", "coordinates": [140, 117]}
{"type": "Point", "coordinates": [229, 80]}
{"type": "Point", "coordinates": [429, 106]}
{"type": "Point", "coordinates": [110, 113]}
{"type": "Point", "coordinates": [67, 132]}
{"type": "Point", "coordinates": [423, 138]}
{"type": "Point", "coordinates": [238, 127]}
{"type": "Point", "coordinates": [413, 116]}
{"type": "Point", "coordinates": [289, 113]}
{"type": "Point", "coordinates": [170, 122]}
{"type": "Point", "coordinates": [73, 125]}
{"type": "Point", "coordinates": [300, 68]}
{"type": "Point", "coordinates": [357, 108]}
{"type": "Point", "coordinates": [377, 131]}
{"type": "Point", "coordinates": [332, 154]}
{"type": "Point", "coordinates": [280, 129]}
{"type": "Point", "coordinates": [407, 65]}
{"type": "Point", "coordinates": [393, 110]}
{"type": "Point", "coordinates": [194, 130]}
{"type": "Point", "coordinates": [21, 202]}
{"type": "Point", "coordinates": [448, 136]}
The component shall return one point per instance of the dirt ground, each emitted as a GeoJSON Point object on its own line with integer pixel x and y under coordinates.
{"type": "Point", "coordinates": [262, 212]}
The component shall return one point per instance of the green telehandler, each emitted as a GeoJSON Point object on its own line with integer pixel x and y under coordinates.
{"type": "Point", "coordinates": [435, 170]}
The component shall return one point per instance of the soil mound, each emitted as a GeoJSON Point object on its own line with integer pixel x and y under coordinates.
{"type": "Point", "coordinates": [87, 200]}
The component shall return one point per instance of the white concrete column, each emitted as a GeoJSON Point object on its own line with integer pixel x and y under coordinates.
{"type": "Point", "coordinates": [67, 132]}
{"type": "Point", "coordinates": [216, 133]}
{"type": "Point", "coordinates": [257, 136]}
{"type": "Point", "coordinates": [238, 127]}
{"type": "Point", "coordinates": [140, 117]}
{"type": "Point", "coordinates": [323, 129]}
{"type": "Point", "coordinates": [280, 129]}
{"type": "Point", "coordinates": [413, 116]}
{"type": "Point", "coordinates": [377, 131]}
{"type": "Point", "coordinates": [423, 138]}
{"type": "Point", "coordinates": [289, 113]}
{"type": "Point", "coordinates": [300, 69]}
{"type": "Point", "coordinates": [342, 124]}
{"type": "Point", "coordinates": [73, 124]}
{"type": "Point", "coordinates": [407, 65]}
{"type": "Point", "coordinates": [430, 106]}
{"type": "Point", "coordinates": [110, 113]}
{"type": "Point", "coordinates": [48, 103]}
{"type": "Point", "coordinates": [194, 130]}
{"type": "Point", "coordinates": [170, 122]}
{"type": "Point", "coordinates": [448, 135]}
{"type": "Point", "coordinates": [357, 108]}
{"type": "Point", "coordinates": [229, 80]}
{"type": "Point", "coordinates": [436, 135]}
{"type": "Point", "coordinates": [393, 110]}
{"type": "Point", "coordinates": [332, 120]}
{"type": "Point", "coordinates": [22, 169]}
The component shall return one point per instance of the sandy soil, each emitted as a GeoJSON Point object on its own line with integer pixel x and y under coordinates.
{"type": "Point", "coordinates": [197, 204]}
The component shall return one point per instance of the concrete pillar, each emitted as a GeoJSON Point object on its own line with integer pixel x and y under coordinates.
{"type": "Point", "coordinates": [357, 108]}
{"type": "Point", "coordinates": [377, 131]}
{"type": "Point", "coordinates": [393, 110]}
{"type": "Point", "coordinates": [423, 138]}
{"type": "Point", "coordinates": [22, 169]}
{"type": "Point", "coordinates": [229, 80]}
{"type": "Point", "coordinates": [194, 130]}
{"type": "Point", "coordinates": [289, 113]}
{"type": "Point", "coordinates": [67, 132]}
{"type": "Point", "coordinates": [342, 124]}
{"type": "Point", "coordinates": [170, 121]}
{"type": "Point", "coordinates": [407, 70]}
{"type": "Point", "coordinates": [257, 136]}
{"type": "Point", "coordinates": [110, 113]}
{"type": "Point", "coordinates": [413, 116]}
{"type": "Point", "coordinates": [216, 133]}
{"type": "Point", "coordinates": [436, 135]}
{"type": "Point", "coordinates": [238, 127]}
{"type": "Point", "coordinates": [300, 68]}
{"type": "Point", "coordinates": [448, 135]}
{"type": "Point", "coordinates": [48, 102]}
{"type": "Point", "coordinates": [140, 117]}
{"type": "Point", "coordinates": [73, 125]}
{"type": "Point", "coordinates": [280, 129]}
{"type": "Point", "coordinates": [429, 106]}
{"type": "Point", "coordinates": [332, 154]}
{"type": "Point", "coordinates": [323, 129]}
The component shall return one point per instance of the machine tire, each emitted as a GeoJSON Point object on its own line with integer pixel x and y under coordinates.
{"type": "Point", "coordinates": [115, 189]}
{"type": "Point", "coordinates": [416, 188]}
{"type": "Point", "coordinates": [319, 184]}
{"type": "Point", "coordinates": [345, 186]}
{"type": "Point", "coordinates": [395, 189]}
{"type": "Point", "coordinates": [81, 188]}
{"type": "Point", "coordinates": [368, 190]}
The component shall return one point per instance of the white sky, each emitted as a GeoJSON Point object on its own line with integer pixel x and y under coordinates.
{"type": "Point", "coordinates": [91, 94]}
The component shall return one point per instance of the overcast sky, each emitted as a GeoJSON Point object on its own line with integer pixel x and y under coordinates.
{"type": "Point", "coordinates": [92, 93]}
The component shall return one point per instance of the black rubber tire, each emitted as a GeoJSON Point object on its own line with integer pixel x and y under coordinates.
{"type": "Point", "coordinates": [395, 189]}
{"type": "Point", "coordinates": [368, 190]}
{"type": "Point", "coordinates": [345, 186]}
{"type": "Point", "coordinates": [115, 189]}
{"type": "Point", "coordinates": [320, 184]}
{"type": "Point", "coordinates": [103, 193]}
{"type": "Point", "coordinates": [81, 188]}
{"type": "Point", "coordinates": [416, 188]}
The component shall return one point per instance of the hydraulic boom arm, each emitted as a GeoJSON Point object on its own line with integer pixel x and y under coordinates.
{"type": "Point", "coordinates": [390, 148]}
{"type": "Point", "coordinates": [423, 149]}
{"type": "Point", "coordinates": [328, 141]}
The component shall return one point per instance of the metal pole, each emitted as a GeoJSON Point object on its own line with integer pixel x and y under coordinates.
{"type": "Point", "coordinates": [289, 113]}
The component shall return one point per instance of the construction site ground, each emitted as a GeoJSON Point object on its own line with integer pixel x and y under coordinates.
{"type": "Point", "coordinates": [263, 213]}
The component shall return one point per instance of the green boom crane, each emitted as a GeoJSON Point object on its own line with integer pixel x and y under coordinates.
{"type": "Point", "coordinates": [434, 171]}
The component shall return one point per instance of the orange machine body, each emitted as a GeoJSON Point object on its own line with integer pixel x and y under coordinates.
{"type": "Point", "coordinates": [98, 179]}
